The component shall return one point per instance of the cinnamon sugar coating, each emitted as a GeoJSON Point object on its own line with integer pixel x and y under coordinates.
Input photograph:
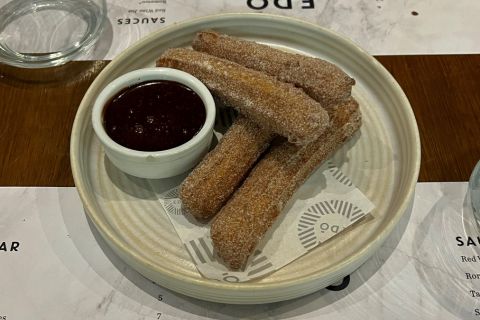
{"type": "Point", "coordinates": [253, 208]}
{"type": "Point", "coordinates": [320, 79]}
{"type": "Point", "coordinates": [276, 106]}
{"type": "Point", "coordinates": [214, 180]}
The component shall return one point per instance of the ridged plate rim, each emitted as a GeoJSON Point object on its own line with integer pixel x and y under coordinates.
{"type": "Point", "coordinates": [240, 290]}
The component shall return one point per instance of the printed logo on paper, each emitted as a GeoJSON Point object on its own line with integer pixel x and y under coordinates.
{"type": "Point", "coordinates": [201, 250]}
{"type": "Point", "coordinates": [171, 201]}
{"type": "Point", "coordinates": [339, 175]}
{"type": "Point", "coordinates": [325, 219]}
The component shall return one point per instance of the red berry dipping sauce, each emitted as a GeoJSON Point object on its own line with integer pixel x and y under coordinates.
{"type": "Point", "coordinates": [154, 115]}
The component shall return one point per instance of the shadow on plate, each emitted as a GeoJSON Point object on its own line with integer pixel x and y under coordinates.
{"type": "Point", "coordinates": [135, 187]}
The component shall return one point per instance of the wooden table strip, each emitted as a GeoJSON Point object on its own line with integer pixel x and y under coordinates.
{"type": "Point", "coordinates": [37, 108]}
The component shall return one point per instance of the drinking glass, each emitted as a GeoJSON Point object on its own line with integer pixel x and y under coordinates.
{"type": "Point", "coordinates": [474, 188]}
{"type": "Point", "coordinates": [45, 33]}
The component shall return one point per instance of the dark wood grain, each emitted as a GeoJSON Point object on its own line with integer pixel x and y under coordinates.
{"type": "Point", "coordinates": [444, 92]}
{"type": "Point", "coordinates": [37, 108]}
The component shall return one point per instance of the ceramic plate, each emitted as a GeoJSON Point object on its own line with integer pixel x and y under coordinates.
{"type": "Point", "coordinates": [383, 161]}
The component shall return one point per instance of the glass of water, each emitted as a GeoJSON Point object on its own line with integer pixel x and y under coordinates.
{"type": "Point", "coordinates": [474, 188]}
{"type": "Point", "coordinates": [45, 33]}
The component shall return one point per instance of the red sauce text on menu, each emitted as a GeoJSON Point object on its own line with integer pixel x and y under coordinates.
{"type": "Point", "coordinates": [154, 115]}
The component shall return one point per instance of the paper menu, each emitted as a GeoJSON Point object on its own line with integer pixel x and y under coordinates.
{"type": "Point", "coordinates": [380, 27]}
{"type": "Point", "coordinates": [64, 269]}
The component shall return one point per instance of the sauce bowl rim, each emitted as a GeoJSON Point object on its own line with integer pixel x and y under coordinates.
{"type": "Point", "coordinates": [148, 74]}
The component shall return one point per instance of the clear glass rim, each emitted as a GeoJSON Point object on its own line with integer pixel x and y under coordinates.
{"type": "Point", "coordinates": [49, 59]}
{"type": "Point", "coordinates": [475, 173]}
{"type": "Point", "coordinates": [472, 185]}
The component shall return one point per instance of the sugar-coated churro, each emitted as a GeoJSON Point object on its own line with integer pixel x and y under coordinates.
{"type": "Point", "coordinates": [214, 180]}
{"type": "Point", "coordinates": [253, 208]}
{"type": "Point", "coordinates": [322, 80]}
{"type": "Point", "coordinates": [273, 104]}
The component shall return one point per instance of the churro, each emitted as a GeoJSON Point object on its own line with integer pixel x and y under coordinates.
{"type": "Point", "coordinates": [276, 106]}
{"type": "Point", "coordinates": [253, 208]}
{"type": "Point", "coordinates": [322, 80]}
{"type": "Point", "coordinates": [211, 183]}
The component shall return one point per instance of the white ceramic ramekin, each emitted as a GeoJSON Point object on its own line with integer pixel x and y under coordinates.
{"type": "Point", "coordinates": [158, 164]}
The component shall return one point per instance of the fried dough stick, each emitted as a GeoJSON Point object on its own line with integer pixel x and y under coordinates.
{"type": "Point", "coordinates": [320, 79]}
{"type": "Point", "coordinates": [213, 181]}
{"type": "Point", "coordinates": [277, 106]}
{"type": "Point", "coordinates": [253, 208]}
